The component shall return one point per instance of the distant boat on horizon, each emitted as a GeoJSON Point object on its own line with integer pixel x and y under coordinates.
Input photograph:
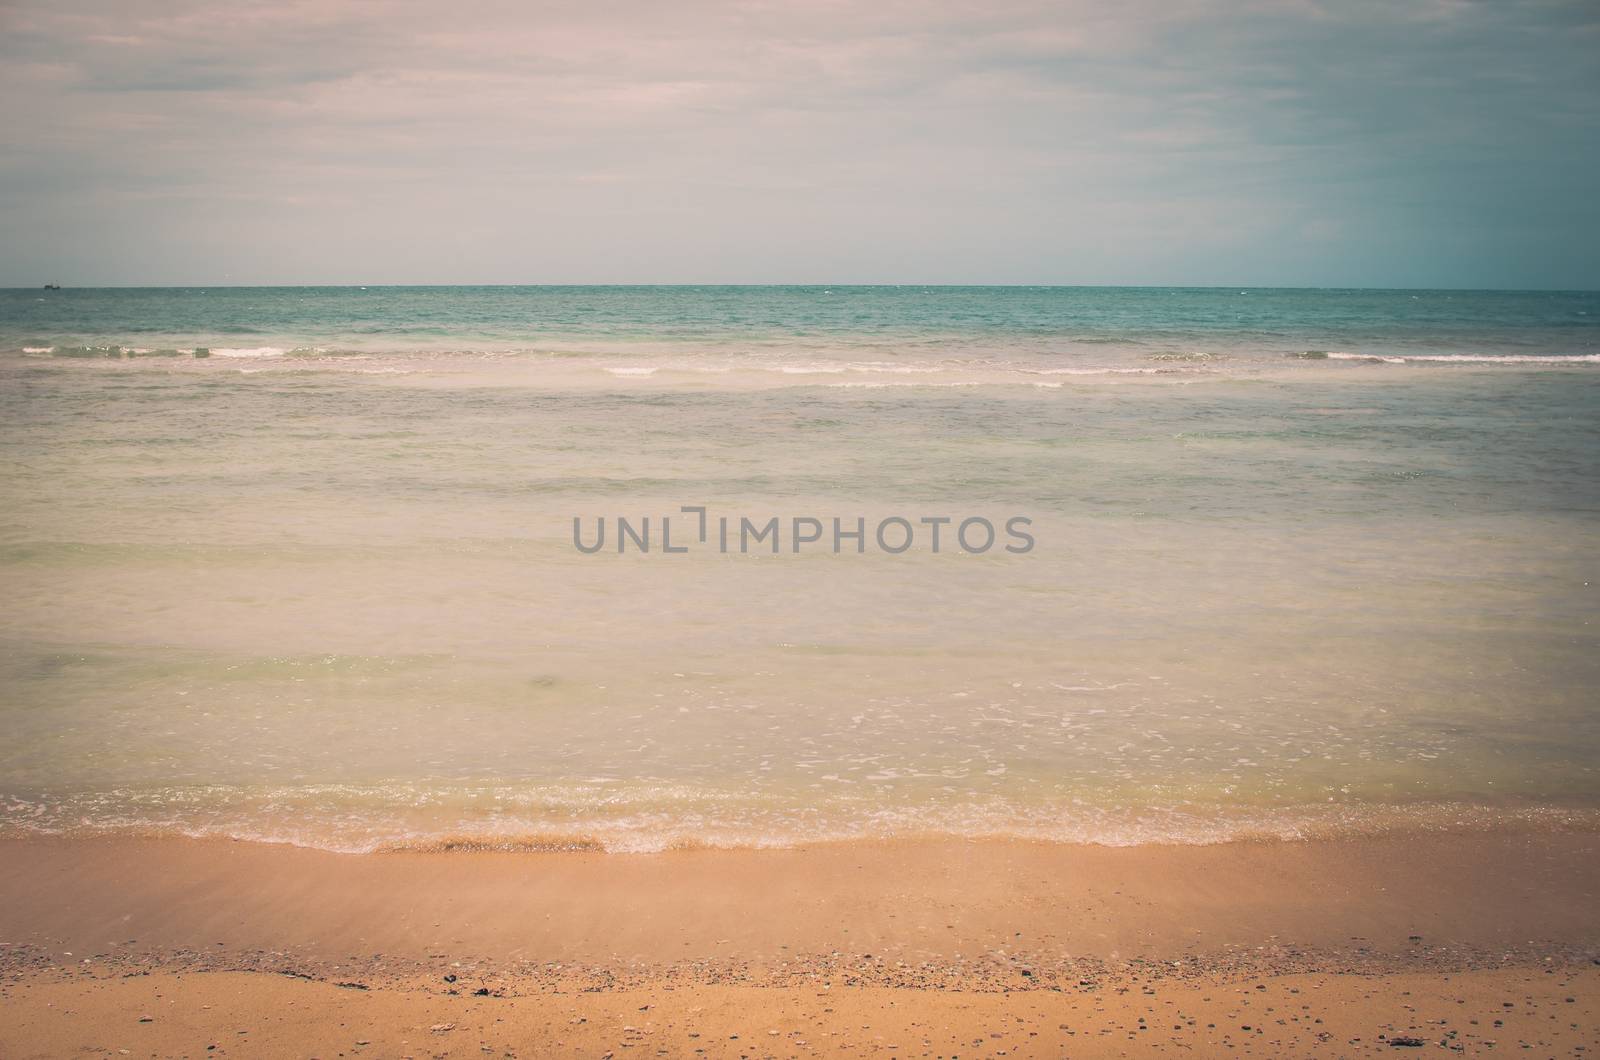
{"type": "Point", "coordinates": [52, 287]}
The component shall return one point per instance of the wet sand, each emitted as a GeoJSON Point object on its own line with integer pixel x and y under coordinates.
{"type": "Point", "coordinates": [939, 947]}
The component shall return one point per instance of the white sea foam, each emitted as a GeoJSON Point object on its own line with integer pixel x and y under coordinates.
{"type": "Point", "coordinates": [1466, 358]}
{"type": "Point", "coordinates": [652, 820]}
{"type": "Point", "coordinates": [1096, 370]}
{"type": "Point", "coordinates": [248, 351]}
{"type": "Point", "coordinates": [886, 384]}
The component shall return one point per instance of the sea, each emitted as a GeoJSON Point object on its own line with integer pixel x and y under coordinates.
{"type": "Point", "coordinates": [325, 566]}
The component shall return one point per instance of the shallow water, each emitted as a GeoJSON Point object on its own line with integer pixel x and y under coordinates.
{"type": "Point", "coordinates": [1302, 561]}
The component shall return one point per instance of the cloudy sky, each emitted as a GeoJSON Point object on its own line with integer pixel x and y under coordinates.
{"type": "Point", "coordinates": [1294, 142]}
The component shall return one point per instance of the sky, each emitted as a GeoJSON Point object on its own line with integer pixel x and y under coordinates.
{"type": "Point", "coordinates": [1413, 143]}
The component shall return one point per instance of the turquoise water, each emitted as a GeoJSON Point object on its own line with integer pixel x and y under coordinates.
{"type": "Point", "coordinates": [1305, 561]}
{"type": "Point", "coordinates": [1063, 327]}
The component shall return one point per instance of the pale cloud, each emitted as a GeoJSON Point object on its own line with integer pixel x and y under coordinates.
{"type": "Point", "coordinates": [352, 141]}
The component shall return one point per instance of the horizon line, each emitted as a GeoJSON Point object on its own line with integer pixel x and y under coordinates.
{"type": "Point", "coordinates": [810, 284]}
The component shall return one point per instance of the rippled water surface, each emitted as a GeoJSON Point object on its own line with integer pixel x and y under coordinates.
{"type": "Point", "coordinates": [299, 564]}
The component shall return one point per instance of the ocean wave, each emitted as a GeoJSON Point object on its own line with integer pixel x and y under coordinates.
{"type": "Point", "coordinates": [111, 351]}
{"type": "Point", "coordinates": [1510, 358]}
{"type": "Point", "coordinates": [743, 367]}
{"type": "Point", "coordinates": [1095, 370]}
{"type": "Point", "coordinates": [1450, 358]}
{"type": "Point", "coordinates": [808, 368]}
{"type": "Point", "coordinates": [248, 351]}
{"type": "Point", "coordinates": [1190, 356]}
{"type": "Point", "coordinates": [872, 367]}
{"type": "Point", "coordinates": [887, 385]}
{"type": "Point", "coordinates": [605, 817]}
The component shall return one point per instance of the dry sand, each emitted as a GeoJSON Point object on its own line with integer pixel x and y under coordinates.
{"type": "Point", "coordinates": [233, 1013]}
{"type": "Point", "coordinates": [940, 948]}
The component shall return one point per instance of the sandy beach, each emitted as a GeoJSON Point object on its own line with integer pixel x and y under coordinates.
{"type": "Point", "coordinates": [174, 947]}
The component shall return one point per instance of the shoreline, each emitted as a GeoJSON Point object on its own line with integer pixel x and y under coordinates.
{"type": "Point", "coordinates": [971, 948]}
